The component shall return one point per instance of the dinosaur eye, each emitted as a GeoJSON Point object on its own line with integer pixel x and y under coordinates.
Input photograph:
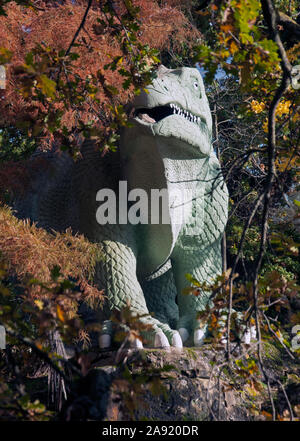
{"type": "Point", "coordinates": [196, 85]}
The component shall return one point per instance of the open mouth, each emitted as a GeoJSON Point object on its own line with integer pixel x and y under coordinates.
{"type": "Point", "coordinates": [156, 114]}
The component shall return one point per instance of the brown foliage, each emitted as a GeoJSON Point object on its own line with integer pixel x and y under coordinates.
{"type": "Point", "coordinates": [29, 250]}
{"type": "Point", "coordinates": [163, 27]}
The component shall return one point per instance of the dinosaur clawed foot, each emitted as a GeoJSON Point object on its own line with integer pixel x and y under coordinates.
{"type": "Point", "coordinates": [177, 338]}
{"type": "Point", "coordinates": [158, 339]}
{"type": "Point", "coordinates": [174, 341]}
{"type": "Point", "coordinates": [199, 336]}
{"type": "Point", "coordinates": [248, 336]}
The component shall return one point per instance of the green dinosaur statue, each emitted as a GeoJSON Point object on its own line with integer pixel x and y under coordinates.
{"type": "Point", "coordinates": [168, 148]}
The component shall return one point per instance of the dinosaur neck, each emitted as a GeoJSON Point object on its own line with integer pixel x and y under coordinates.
{"type": "Point", "coordinates": [158, 162]}
{"type": "Point", "coordinates": [152, 162]}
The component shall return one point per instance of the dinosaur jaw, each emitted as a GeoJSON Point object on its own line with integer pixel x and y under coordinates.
{"type": "Point", "coordinates": [172, 121]}
{"type": "Point", "coordinates": [154, 115]}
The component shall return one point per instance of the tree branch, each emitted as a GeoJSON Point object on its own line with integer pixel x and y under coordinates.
{"type": "Point", "coordinates": [80, 26]}
{"type": "Point", "coordinates": [270, 16]}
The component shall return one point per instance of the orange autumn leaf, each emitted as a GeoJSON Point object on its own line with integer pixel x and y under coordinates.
{"type": "Point", "coordinates": [60, 314]}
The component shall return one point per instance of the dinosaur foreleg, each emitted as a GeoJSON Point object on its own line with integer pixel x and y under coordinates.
{"type": "Point", "coordinates": [116, 273]}
{"type": "Point", "coordinates": [160, 294]}
{"type": "Point", "coordinates": [203, 265]}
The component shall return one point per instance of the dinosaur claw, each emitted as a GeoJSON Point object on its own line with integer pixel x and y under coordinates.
{"type": "Point", "coordinates": [161, 341]}
{"type": "Point", "coordinates": [223, 341]}
{"type": "Point", "coordinates": [104, 341]}
{"type": "Point", "coordinates": [184, 334]}
{"type": "Point", "coordinates": [176, 340]}
{"type": "Point", "coordinates": [137, 344]}
{"type": "Point", "coordinates": [199, 336]}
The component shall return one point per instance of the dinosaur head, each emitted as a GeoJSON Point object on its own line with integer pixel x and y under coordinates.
{"type": "Point", "coordinates": [168, 147]}
{"type": "Point", "coordinates": [175, 106]}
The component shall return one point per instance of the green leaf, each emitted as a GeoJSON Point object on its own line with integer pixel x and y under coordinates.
{"type": "Point", "coordinates": [55, 272]}
{"type": "Point", "coordinates": [74, 56]}
{"type": "Point", "coordinates": [47, 86]}
{"type": "Point", "coordinates": [5, 55]}
{"type": "Point", "coordinates": [192, 280]}
{"type": "Point", "coordinates": [29, 59]}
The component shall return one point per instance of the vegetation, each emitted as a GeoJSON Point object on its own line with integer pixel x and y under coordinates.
{"type": "Point", "coordinates": [71, 67]}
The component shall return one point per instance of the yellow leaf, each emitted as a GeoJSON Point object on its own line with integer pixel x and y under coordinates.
{"type": "Point", "coordinates": [39, 304]}
{"type": "Point", "coordinates": [233, 47]}
{"type": "Point", "coordinates": [257, 107]}
{"type": "Point", "coordinates": [60, 313]}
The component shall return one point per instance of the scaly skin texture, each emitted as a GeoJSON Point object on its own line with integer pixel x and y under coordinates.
{"type": "Point", "coordinates": [145, 265]}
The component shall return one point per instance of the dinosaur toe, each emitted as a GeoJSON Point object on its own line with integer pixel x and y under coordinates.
{"type": "Point", "coordinates": [199, 336]}
{"type": "Point", "coordinates": [184, 334]}
{"type": "Point", "coordinates": [137, 344]}
{"type": "Point", "coordinates": [177, 341]}
{"type": "Point", "coordinates": [161, 341]}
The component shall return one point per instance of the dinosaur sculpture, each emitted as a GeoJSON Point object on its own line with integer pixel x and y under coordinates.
{"type": "Point", "coordinates": [167, 148]}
